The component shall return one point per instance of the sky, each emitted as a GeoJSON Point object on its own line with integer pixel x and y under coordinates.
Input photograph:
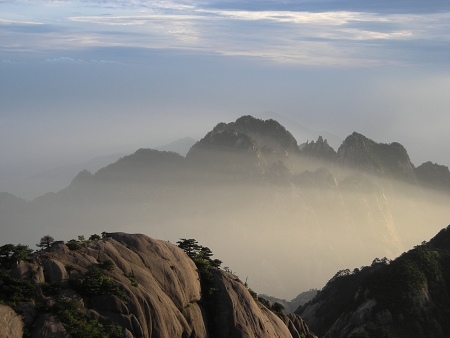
{"type": "Point", "coordinates": [82, 79]}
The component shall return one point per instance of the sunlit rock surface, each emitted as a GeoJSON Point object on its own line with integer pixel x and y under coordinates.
{"type": "Point", "coordinates": [159, 293]}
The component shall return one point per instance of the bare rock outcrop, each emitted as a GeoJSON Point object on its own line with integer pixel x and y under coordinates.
{"type": "Point", "coordinates": [239, 315]}
{"type": "Point", "coordinates": [11, 324]}
{"type": "Point", "coordinates": [386, 160]}
{"type": "Point", "coordinates": [137, 287]}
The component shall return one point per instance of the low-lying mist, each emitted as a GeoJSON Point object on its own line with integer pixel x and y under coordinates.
{"type": "Point", "coordinates": [285, 234]}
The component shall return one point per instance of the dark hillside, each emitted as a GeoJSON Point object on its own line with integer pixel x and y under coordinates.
{"type": "Point", "coordinates": [406, 297]}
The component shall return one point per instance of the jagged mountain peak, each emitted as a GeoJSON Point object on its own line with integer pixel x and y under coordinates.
{"type": "Point", "coordinates": [390, 160]}
{"type": "Point", "coordinates": [246, 146]}
{"type": "Point", "coordinates": [319, 149]}
{"type": "Point", "coordinates": [266, 133]}
{"type": "Point", "coordinates": [434, 175]}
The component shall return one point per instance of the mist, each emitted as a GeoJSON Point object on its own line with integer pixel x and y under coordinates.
{"type": "Point", "coordinates": [83, 80]}
{"type": "Point", "coordinates": [286, 235]}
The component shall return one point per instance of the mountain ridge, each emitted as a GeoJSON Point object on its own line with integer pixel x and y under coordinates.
{"type": "Point", "coordinates": [405, 297]}
{"type": "Point", "coordinates": [239, 191]}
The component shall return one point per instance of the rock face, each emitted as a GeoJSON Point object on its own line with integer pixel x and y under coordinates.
{"type": "Point", "coordinates": [11, 324]}
{"type": "Point", "coordinates": [388, 160]}
{"type": "Point", "coordinates": [407, 297]}
{"type": "Point", "coordinates": [319, 149]}
{"type": "Point", "coordinates": [247, 146]}
{"type": "Point", "coordinates": [434, 176]}
{"type": "Point", "coordinates": [229, 152]}
{"type": "Point", "coordinates": [149, 288]}
{"type": "Point", "coordinates": [239, 315]}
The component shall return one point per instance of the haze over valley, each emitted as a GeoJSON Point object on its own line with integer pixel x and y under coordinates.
{"type": "Point", "coordinates": [286, 217]}
{"type": "Point", "coordinates": [304, 142]}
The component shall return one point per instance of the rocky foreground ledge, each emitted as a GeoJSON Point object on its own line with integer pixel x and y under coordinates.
{"type": "Point", "coordinates": [127, 285]}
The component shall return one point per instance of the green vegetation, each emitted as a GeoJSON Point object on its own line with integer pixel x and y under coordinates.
{"type": "Point", "coordinates": [10, 253]}
{"type": "Point", "coordinates": [50, 289]}
{"type": "Point", "coordinates": [413, 288]}
{"type": "Point", "coordinates": [278, 309]}
{"type": "Point", "coordinates": [107, 265]}
{"type": "Point", "coordinates": [14, 290]}
{"type": "Point", "coordinates": [74, 244]}
{"type": "Point", "coordinates": [46, 242]}
{"type": "Point", "coordinates": [79, 325]}
{"type": "Point", "coordinates": [70, 268]}
{"type": "Point", "coordinates": [94, 282]}
{"type": "Point", "coordinates": [132, 279]}
{"type": "Point", "coordinates": [74, 318]}
{"type": "Point", "coordinates": [94, 237]}
{"type": "Point", "coordinates": [253, 294]}
{"type": "Point", "coordinates": [201, 256]}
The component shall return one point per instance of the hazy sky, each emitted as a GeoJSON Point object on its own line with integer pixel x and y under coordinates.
{"type": "Point", "coordinates": [80, 79]}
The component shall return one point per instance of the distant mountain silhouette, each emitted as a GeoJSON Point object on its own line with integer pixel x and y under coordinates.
{"type": "Point", "coordinates": [248, 183]}
{"type": "Point", "coordinates": [302, 133]}
{"type": "Point", "coordinates": [180, 146]}
{"type": "Point", "coordinates": [293, 304]}
{"type": "Point", "coordinates": [54, 179]}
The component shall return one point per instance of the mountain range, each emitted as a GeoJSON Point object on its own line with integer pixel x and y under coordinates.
{"type": "Point", "coordinates": [285, 216]}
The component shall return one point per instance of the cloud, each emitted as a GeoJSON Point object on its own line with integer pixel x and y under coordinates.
{"type": "Point", "coordinates": [326, 37]}
{"type": "Point", "coordinates": [68, 60]}
{"type": "Point", "coordinates": [15, 22]}
{"type": "Point", "coordinates": [65, 60]}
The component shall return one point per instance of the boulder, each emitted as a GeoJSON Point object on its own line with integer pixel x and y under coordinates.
{"type": "Point", "coordinates": [11, 324]}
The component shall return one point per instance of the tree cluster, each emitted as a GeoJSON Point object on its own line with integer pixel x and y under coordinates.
{"type": "Point", "coordinates": [94, 282]}
{"type": "Point", "coordinates": [10, 253]}
{"type": "Point", "coordinates": [197, 252]}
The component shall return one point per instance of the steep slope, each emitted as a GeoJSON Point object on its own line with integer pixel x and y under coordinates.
{"type": "Point", "coordinates": [246, 146]}
{"type": "Point", "coordinates": [433, 175]}
{"type": "Point", "coordinates": [228, 153]}
{"type": "Point", "coordinates": [180, 146]}
{"type": "Point", "coordinates": [319, 149]}
{"type": "Point", "coordinates": [388, 160]}
{"type": "Point", "coordinates": [406, 297]}
{"type": "Point", "coordinates": [125, 286]}
{"type": "Point", "coordinates": [266, 133]}
{"type": "Point", "coordinates": [293, 304]}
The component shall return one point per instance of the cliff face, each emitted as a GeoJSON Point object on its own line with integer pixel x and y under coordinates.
{"type": "Point", "coordinates": [319, 149]}
{"type": "Point", "coordinates": [246, 146]}
{"type": "Point", "coordinates": [388, 160]}
{"type": "Point", "coordinates": [134, 286]}
{"type": "Point", "coordinates": [434, 176]}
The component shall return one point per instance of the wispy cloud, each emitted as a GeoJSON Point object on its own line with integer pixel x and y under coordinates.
{"type": "Point", "coordinates": [68, 60]}
{"type": "Point", "coordinates": [16, 22]}
{"type": "Point", "coordinates": [328, 37]}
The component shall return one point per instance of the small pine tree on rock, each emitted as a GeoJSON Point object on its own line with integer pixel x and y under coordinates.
{"type": "Point", "coordinates": [46, 242]}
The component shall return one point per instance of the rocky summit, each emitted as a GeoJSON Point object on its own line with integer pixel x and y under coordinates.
{"type": "Point", "coordinates": [123, 285]}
